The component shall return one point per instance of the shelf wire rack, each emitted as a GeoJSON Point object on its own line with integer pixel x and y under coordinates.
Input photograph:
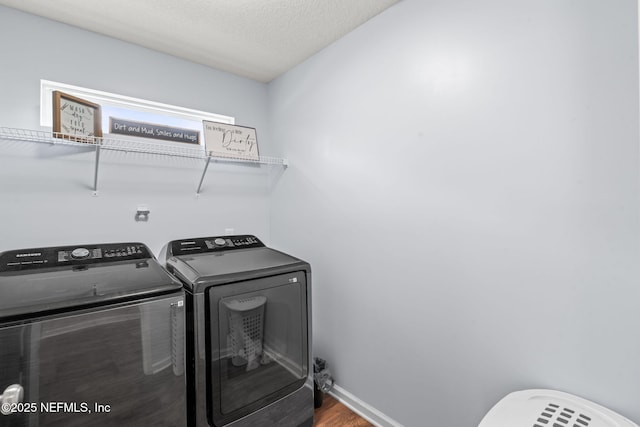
{"type": "Point", "coordinates": [170, 149]}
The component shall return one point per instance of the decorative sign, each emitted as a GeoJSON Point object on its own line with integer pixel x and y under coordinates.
{"type": "Point", "coordinates": [223, 140]}
{"type": "Point", "coordinates": [148, 130]}
{"type": "Point", "coordinates": [75, 118]}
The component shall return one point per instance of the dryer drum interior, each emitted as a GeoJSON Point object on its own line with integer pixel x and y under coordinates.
{"type": "Point", "coordinates": [255, 358]}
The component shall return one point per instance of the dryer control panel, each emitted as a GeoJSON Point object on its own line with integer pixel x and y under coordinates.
{"type": "Point", "coordinates": [25, 259]}
{"type": "Point", "coordinates": [214, 244]}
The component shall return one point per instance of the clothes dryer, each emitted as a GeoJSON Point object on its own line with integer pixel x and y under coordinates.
{"type": "Point", "coordinates": [248, 332]}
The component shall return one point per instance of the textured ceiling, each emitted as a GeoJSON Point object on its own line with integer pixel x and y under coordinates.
{"type": "Point", "coordinates": [259, 39]}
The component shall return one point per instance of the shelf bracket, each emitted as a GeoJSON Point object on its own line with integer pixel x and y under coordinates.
{"type": "Point", "coordinates": [95, 173]}
{"type": "Point", "coordinates": [204, 172]}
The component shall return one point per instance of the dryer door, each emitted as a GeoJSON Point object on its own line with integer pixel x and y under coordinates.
{"type": "Point", "coordinates": [113, 366]}
{"type": "Point", "coordinates": [258, 347]}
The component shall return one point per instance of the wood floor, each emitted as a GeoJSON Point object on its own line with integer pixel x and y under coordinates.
{"type": "Point", "coordinates": [332, 413]}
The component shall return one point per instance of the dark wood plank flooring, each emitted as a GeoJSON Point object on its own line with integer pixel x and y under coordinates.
{"type": "Point", "coordinates": [332, 413]}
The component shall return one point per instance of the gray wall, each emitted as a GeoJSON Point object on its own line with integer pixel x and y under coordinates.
{"type": "Point", "coordinates": [464, 182]}
{"type": "Point", "coordinates": [46, 191]}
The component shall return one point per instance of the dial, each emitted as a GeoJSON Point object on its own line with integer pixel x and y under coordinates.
{"type": "Point", "coordinates": [80, 253]}
{"type": "Point", "coordinates": [220, 242]}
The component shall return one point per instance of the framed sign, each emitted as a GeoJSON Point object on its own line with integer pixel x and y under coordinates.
{"type": "Point", "coordinates": [236, 142]}
{"type": "Point", "coordinates": [75, 118]}
{"type": "Point", "coordinates": [154, 131]}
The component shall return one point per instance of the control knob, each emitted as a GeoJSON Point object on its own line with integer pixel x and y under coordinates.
{"type": "Point", "coordinates": [80, 253]}
{"type": "Point", "coordinates": [220, 242]}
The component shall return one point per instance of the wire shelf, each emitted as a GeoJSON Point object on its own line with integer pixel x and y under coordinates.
{"type": "Point", "coordinates": [171, 149]}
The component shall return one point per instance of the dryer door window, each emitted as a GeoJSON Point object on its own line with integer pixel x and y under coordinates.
{"type": "Point", "coordinates": [113, 366]}
{"type": "Point", "coordinates": [258, 347]}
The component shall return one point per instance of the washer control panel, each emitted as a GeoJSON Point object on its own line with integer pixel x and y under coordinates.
{"type": "Point", "coordinates": [71, 255]}
{"type": "Point", "coordinates": [214, 244]}
{"type": "Point", "coordinates": [103, 252]}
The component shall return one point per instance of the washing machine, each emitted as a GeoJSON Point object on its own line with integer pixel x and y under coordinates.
{"type": "Point", "coordinates": [248, 332]}
{"type": "Point", "coordinates": [90, 335]}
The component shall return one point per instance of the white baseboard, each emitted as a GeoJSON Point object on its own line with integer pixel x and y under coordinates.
{"type": "Point", "coordinates": [363, 409]}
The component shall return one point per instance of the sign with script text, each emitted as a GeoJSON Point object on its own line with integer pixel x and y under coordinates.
{"type": "Point", "coordinates": [237, 142]}
{"type": "Point", "coordinates": [148, 130]}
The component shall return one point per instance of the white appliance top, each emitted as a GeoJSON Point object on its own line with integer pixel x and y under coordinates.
{"type": "Point", "coordinates": [549, 408]}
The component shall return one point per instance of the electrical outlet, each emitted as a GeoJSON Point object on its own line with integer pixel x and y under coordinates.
{"type": "Point", "coordinates": [142, 213]}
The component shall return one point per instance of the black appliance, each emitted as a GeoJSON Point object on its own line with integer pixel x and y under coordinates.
{"type": "Point", "coordinates": [248, 332]}
{"type": "Point", "coordinates": [90, 336]}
